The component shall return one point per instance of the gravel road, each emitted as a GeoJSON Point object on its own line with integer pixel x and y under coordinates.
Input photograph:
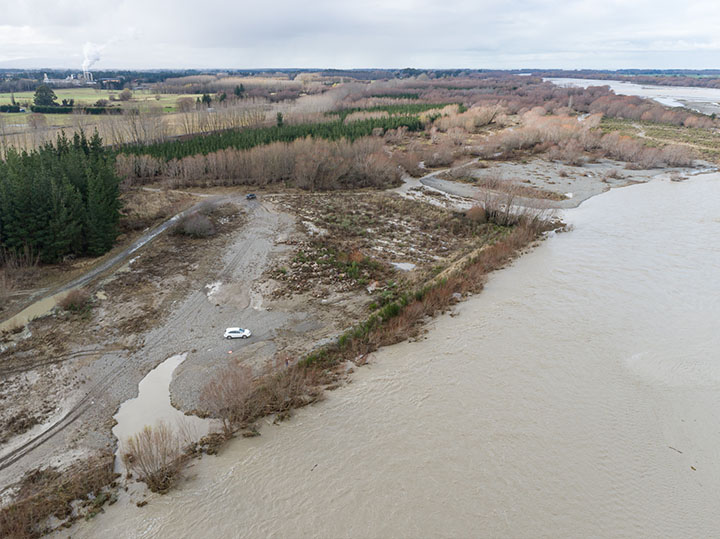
{"type": "Point", "coordinates": [195, 325]}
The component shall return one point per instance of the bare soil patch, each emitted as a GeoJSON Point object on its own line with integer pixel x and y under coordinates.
{"type": "Point", "coordinates": [41, 367]}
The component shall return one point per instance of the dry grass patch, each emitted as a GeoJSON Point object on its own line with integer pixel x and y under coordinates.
{"type": "Point", "coordinates": [50, 492]}
{"type": "Point", "coordinates": [355, 238]}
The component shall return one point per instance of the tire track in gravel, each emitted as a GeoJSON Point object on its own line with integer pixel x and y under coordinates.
{"type": "Point", "coordinates": [263, 227]}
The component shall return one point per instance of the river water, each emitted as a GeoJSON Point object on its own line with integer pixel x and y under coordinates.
{"type": "Point", "coordinates": [705, 100]}
{"type": "Point", "coordinates": [578, 395]}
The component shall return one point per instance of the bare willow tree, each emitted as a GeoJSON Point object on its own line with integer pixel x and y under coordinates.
{"type": "Point", "coordinates": [145, 125]}
{"type": "Point", "coordinates": [156, 455]}
{"type": "Point", "coordinates": [227, 396]}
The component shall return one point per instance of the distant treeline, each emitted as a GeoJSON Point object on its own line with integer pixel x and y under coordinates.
{"type": "Point", "coordinates": [60, 199]}
{"type": "Point", "coordinates": [61, 109]}
{"type": "Point", "coordinates": [706, 78]}
{"type": "Point", "coordinates": [245, 139]}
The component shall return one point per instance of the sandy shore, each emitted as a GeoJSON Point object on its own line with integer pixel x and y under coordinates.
{"type": "Point", "coordinates": [576, 184]}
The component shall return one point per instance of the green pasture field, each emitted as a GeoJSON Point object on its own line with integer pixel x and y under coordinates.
{"type": "Point", "coordinates": [88, 97]}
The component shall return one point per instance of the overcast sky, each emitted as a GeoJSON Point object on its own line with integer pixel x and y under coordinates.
{"type": "Point", "coordinates": [372, 33]}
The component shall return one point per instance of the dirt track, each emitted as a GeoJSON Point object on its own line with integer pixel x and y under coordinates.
{"type": "Point", "coordinates": [195, 325]}
{"type": "Point", "coordinates": [44, 293]}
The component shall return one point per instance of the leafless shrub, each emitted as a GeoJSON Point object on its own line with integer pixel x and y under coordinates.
{"type": "Point", "coordinates": [476, 214]}
{"type": "Point", "coordinates": [457, 135]}
{"type": "Point", "coordinates": [396, 136]}
{"type": "Point", "coordinates": [518, 139]}
{"type": "Point", "coordinates": [365, 115]}
{"type": "Point", "coordinates": [455, 174]}
{"type": "Point", "coordinates": [185, 104]}
{"type": "Point", "coordinates": [491, 180]}
{"type": "Point", "coordinates": [284, 387]}
{"type": "Point", "coordinates": [568, 140]}
{"type": "Point", "coordinates": [312, 164]}
{"type": "Point", "coordinates": [471, 121]}
{"type": "Point", "coordinates": [75, 300]}
{"type": "Point", "coordinates": [16, 267]}
{"type": "Point", "coordinates": [50, 492]}
{"type": "Point", "coordinates": [409, 161]}
{"type": "Point", "coordinates": [677, 155]}
{"type": "Point", "coordinates": [440, 155]}
{"type": "Point", "coordinates": [502, 208]}
{"type": "Point", "coordinates": [239, 399]}
{"type": "Point", "coordinates": [155, 455]}
{"type": "Point", "coordinates": [227, 396]}
{"type": "Point", "coordinates": [486, 151]}
{"type": "Point", "coordinates": [138, 166]}
{"type": "Point", "coordinates": [638, 155]}
{"type": "Point", "coordinates": [196, 225]}
{"type": "Point", "coordinates": [428, 116]}
{"type": "Point", "coordinates": [570, 152]}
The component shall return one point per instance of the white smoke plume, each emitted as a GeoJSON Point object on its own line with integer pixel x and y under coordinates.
{"type": "Point", "coordinates": [91, 51]}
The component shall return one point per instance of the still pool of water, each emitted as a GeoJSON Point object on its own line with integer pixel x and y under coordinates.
{"type": "Point", "coordinates": [152, 406]}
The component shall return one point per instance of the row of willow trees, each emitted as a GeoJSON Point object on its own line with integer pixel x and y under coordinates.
{"type": "Point", "coordinates": [245, 139]}
{"type": "Point", "coordinates": [61, 199]}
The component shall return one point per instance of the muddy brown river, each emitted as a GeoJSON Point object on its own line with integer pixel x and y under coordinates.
{"type": "Point", "coordinates": [578, 395]}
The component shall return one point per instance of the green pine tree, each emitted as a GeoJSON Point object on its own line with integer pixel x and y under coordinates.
{"type": "Point", "coordinates": [44, 96]}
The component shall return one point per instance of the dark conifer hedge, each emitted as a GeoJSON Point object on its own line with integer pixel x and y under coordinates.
{"type": "Point", "coordinates": [60, 199]}
{"type": "Point", "coordinates": [243, 139]}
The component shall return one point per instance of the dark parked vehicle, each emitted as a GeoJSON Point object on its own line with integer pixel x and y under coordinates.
{"type": "Point", "coordinates": [251, 196]}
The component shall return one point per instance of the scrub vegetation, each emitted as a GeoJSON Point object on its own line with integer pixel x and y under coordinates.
{"type": "Point", "coordinates": [324, 152]}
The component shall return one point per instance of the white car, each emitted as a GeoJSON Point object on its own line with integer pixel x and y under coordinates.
{"type": "Point", "coordinates": [237, 333]}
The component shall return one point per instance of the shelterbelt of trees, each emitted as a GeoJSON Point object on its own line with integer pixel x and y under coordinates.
{"type": "Point", "coordinates": [61, 199]}
{"type": "Point", "coordinates": [244, 139]}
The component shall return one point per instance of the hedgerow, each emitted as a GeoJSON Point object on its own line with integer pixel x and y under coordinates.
{"type": "Point", "coordinates": [245, 139]}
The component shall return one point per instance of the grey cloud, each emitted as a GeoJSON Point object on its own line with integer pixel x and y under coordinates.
{"type": "Point", "coordinates": [391, 33]}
